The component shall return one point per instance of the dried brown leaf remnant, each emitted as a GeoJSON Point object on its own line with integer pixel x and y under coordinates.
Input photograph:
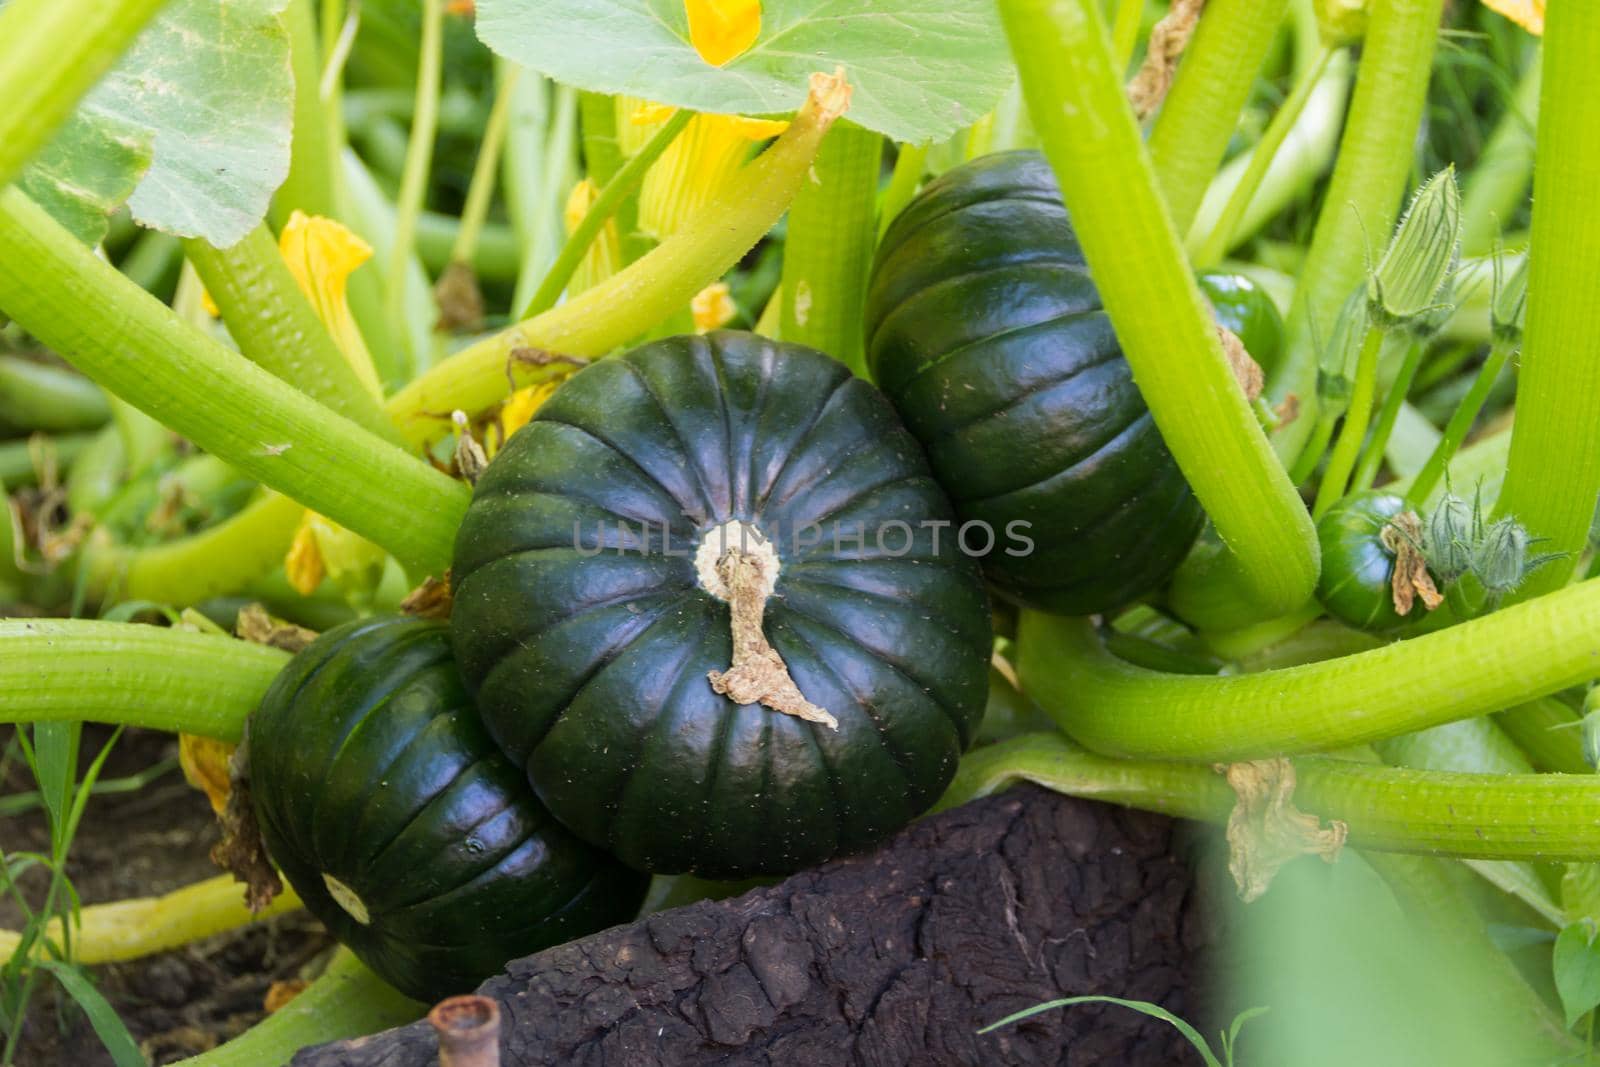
{"type": "Point", "coordinates": [1266, 830]}
{"type": "Point", "coordinates": [1410, 579]}
{"type": "Point", "coordinates": [1167, 41]}
{"type": "Point", "coordinates": [259, 628]}
{"type": "Point", "coordinates": [432, 599]}
{"type": "Point", "coordinates": [241, 852]}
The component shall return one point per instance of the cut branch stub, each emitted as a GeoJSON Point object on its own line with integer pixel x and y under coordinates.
{"type": "Point", "coordinates": [737, 564]}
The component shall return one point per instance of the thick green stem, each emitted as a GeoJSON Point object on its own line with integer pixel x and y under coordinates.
{"type": "Point", "coordinates": [34, 396]}
{"type": "Point", "coordinates": [68, 670]}
{"type": "Point", "coordinates": [828, 253]}
{"type": "Point", "coordinates": [1363, 198]}
{"type": "Point", "coordinates": [419, 160]}
{"type": "Point", "coordinates": [1511, 656]}
{"type": "Point", "coordinates": [1213, 83]}
{"type": "Point", "coordinates": [1461, 420]}
{"type": "Point", "coordinates": [1163, 323]}
{"type": "Point", "coordinates": [1498, 184]}
{"type": "Point", "coordinates": [1553, 475]}
{"type": "Point", "coordinates": [276, 327]}
{"type": "Point", "coordinates": [481, 189]}
{"type": "Point", "coordinates": [219, 560]}
{"type": "Point", "coordinates": [621, 185]}
{"type": "Point", "coordinates": [1388, 809]}
{"type": "Point", "coordinates": [346, 1001]}
{"type": "Point", "coordinates": [51, 54]}
{"type": "Point", "coordinates": [635, 299]}
{"type": "Point", "coordinates": [1220, 238]}
{"type": "Point", "coordinates": [136, 348]}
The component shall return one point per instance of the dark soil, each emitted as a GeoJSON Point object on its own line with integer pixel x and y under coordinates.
{"type": "Point", "coordinates": [146, 843]}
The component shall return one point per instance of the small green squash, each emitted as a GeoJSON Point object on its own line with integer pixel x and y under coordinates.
{"type": "Point", "coordinates": [985, 330]}
{"type": "Point", "coordinates": [403, 829]}
{"type": "Point", "coordinates": [1357, 568]}
{"type": "Point", "coordinates": [657, 497]}
{"type": "Point", "coordinates": [1244, 307]}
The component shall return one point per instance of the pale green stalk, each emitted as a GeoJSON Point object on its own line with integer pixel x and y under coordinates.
{"type": "Point", "coordinates": [419, 161]}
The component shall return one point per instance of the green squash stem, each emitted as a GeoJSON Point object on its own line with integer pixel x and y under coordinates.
{"type": "Point", "coordinates": [1388, 809]}
{"type": "Point", "coordinates": [1553, 472]}
{"type": "Point", "coordinates": [1094, 145]}
{"type": "Point", "coordinates": [137, 348]}
{"type": "Point", "coordinates": [828, 252]}
{"type": "Point", "coordinates": [1212, 85]}
{"type": "Point", "coordinates": [67, 670]}
{"type": "Point", "coordinates": [1512, 656]}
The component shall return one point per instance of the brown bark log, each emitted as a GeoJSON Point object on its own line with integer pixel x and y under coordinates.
{"type": "Point", "coordinates": [896, 957]}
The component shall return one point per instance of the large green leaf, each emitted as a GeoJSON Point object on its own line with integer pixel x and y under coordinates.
{"type": "Point", "coordinates": [921, 69]}
{"type": "Point", "coordinates": [194, 122]}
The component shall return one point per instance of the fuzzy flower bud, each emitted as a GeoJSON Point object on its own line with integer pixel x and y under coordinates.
{"type": "Point", "coordinates": [1451, 535]}
{"type": "Point", "coordinates": [1500, 558]}
{"type": "Point", "coordinates": [1414, 268]}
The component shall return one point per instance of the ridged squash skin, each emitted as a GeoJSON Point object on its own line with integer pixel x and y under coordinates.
{"type": "Point", "coordinates": [589, 656]}
{"type": "Point", "coordinates": [984, 329]}
{"type": "Point", "coordinates": [369, 767]}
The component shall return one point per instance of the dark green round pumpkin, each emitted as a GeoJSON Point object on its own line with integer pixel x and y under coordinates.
{"type": "Point", "coordinates": [1357, 568]}
{"type": "Point", "coordinates": [403, 828]}
{"type": "Point", "coordinates": [591, 608]}
{"type": "Point", "coordinates": [985, 330]}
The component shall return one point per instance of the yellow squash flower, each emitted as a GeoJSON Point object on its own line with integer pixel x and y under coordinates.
{"type": "Point", "coordinates": [604, 257]}
{"type": "Point", "coordinates": [321, 253]}
{"type": "Point", "coordinates": [721, 30]}
{"type": "Point", "coordinates": [712, 148]}
{"type": "Point", "coordinates": [713, 307]}
{"type": "Point", "coordinates": [1529, 14]}
{"type": "Point", "coordinates": [522, 405]}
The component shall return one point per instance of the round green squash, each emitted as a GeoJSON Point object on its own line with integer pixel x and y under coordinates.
{"type": "Point", "coordinates": [1357, 567]}
{"type": "Point", "coordinates": [1244, 307]}
{"type": "Point", "coordinates": [985, 330]}
{"type": "Point", "coordinates": [403, 828]}
{"type": "Point", "coordinates": [658, 500]}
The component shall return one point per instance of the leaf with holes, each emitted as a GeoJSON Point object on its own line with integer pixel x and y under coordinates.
{"type": "Point", "coordinates": [920, 71]}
